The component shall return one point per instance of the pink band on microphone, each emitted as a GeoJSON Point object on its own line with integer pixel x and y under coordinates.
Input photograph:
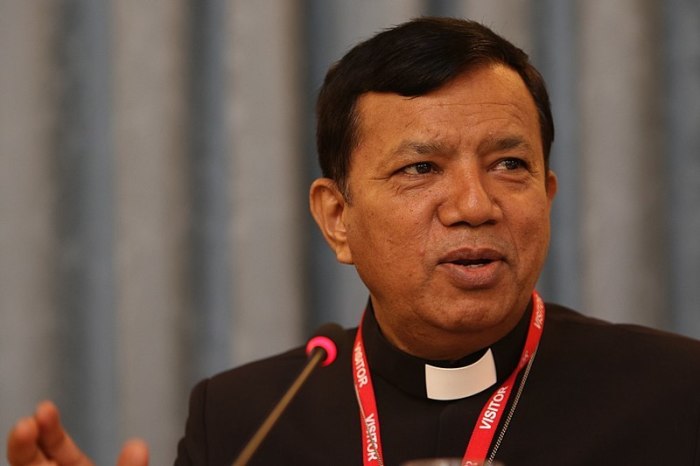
{"type": "Point", "coordinates": [325, 343]}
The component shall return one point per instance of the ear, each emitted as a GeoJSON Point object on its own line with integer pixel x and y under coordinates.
{"type": "Point", "coordinates": [551, 185]}
{"type": "Point", "coordinates": [327, 206]}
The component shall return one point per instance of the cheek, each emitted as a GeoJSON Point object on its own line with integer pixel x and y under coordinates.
{"type": "Point", "coordinates": [389, 232]}
{"type": "Point", "coordinates": [533, 233]}
{"type": "Point", "coordinates": [408, 230]}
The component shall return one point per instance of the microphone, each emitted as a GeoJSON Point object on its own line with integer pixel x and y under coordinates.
{"type": "Point", "coordinates": [321, 348]}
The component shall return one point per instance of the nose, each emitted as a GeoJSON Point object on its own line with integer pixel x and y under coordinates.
{"type": "Point", "coordinates": [467, 201]}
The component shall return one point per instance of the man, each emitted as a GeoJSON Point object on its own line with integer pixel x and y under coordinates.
{"type": "Point", "coordinates": [434, 141]}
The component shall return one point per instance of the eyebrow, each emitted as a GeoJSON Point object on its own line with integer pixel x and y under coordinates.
{"type": "Point", "coordinates": [501, 144]}
{"type": "Point", "coordinates": [488, 145]}
{"type": "Point", "coordinates": [420, 148]}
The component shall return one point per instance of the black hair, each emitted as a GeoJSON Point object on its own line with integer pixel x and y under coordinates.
{"type": "Point", "coordinates": [413, 59]}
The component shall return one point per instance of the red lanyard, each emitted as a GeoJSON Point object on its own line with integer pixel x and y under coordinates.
{"type": "Point", "coordinates": [485, 428]}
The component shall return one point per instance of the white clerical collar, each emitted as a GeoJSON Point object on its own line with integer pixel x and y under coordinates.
{"type": "Point", "coordinates": [442, 380]}
{"type": "Point", "coordinates": [460, 382]}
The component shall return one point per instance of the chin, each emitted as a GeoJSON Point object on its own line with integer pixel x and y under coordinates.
{"type": "Point", "coordinates": [468, 322]}
{"type": "Point", "coordinates": [475, 316]}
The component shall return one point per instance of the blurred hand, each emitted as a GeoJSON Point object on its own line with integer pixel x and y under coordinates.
{"type": "Point", "coordinates": [41, 440]}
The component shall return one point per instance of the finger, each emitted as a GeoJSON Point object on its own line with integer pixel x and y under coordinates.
{"type": "Point", "coordinates": [54, 440]}
{"type": "Point", "coordinates": [22, 447]}
{"type": "Point", "coordinates": [134, 453]}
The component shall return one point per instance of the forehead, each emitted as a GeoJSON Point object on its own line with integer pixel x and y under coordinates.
{"type": "Point", "coordinates": [478, 104]}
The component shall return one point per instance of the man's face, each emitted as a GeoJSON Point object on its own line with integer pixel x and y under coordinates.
{"type": "Point", "coordinates": [447, 216]}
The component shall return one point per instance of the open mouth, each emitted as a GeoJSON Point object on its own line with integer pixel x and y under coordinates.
{"type": "Point", "coordinates": [472, 263]}
{"type": "Point", "coordinates": [471, 269]}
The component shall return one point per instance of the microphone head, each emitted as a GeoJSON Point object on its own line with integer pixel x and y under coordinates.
{"type": "Point", "coordinates": [329, 338]}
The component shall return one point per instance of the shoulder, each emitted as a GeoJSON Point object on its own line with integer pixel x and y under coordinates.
{"type": "Point", "coordinates": [265, 378]}
{"type": "Point", "coordinates": [615, 387]}
{"type": "Point", "coordinates": [633, 346]}
{"type": "Point", "coordinates": [226, 409]}
{"type": "Point", "coordinates": [261, 374]}
{"type": "Point", "coordinates": [566, 319]}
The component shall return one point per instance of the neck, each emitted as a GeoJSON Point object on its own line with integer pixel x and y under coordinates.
{"type": "Point", "coordinates": [415, 375]}
{"type": "Point", "coordinates": [444, 344]}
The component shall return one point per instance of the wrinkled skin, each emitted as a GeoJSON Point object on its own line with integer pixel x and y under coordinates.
{"type": "Point", "coordinates": [446, 217]}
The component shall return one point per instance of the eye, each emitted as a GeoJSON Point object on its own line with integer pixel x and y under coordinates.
{"type": "Point", "coordinates": [420, 168]}
{"type": "Point", "coordinates": [511, 164]}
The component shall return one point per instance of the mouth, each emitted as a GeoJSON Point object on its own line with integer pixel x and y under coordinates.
{"type": "Point", "coordinates": [473, 269]}
{"type": "Point", "coordinates": [471, 263]}
{"type": "Point", "coordinates": [473, 258]}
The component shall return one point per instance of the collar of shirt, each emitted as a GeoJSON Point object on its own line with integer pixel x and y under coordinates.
{"type": "Point", "coordinates": [443, 380]}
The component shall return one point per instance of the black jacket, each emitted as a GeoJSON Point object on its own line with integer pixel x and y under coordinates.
{"type": "Point", "coordinates": [598, 394]}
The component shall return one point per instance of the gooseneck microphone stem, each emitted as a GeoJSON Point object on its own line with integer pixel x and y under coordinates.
{"type": "Point", "coordinates": [316, 356]}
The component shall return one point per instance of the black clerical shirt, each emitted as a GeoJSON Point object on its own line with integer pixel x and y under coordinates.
{"type": "Point", "coordinates": [598, 394]}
